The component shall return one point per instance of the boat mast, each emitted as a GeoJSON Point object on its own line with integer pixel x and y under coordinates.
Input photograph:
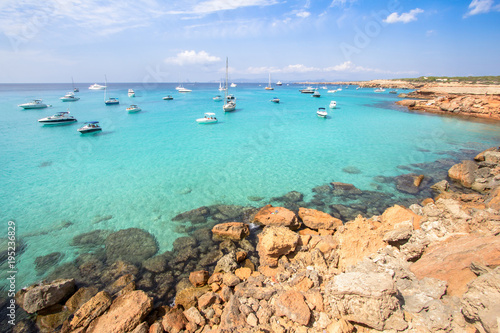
{"type": "Point", "coordinates": [105, 87]}
{"type": "Point", "coordinates": [225, 94]}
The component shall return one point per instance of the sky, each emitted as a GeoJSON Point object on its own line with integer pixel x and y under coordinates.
{"type": "Point", "coordinates": [153, 41]}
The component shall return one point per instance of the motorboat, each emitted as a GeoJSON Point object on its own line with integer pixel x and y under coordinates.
{"type": "Point", "coordinates": [168, 98]}
{"type": "Point", "coordinates": [233, 85]}
{"type": "Point", "coordinates": [393, 92]}
{"type": "Point", "coordinates": [217, 98]}
{"type": "Point", "coordinates": [324, 87]}
{"type": "Point", "coordinates": [35, 104]}
{"type": "Point", "coordinates": [58, 119]}
{"type": "Point", "coordinates": [112, 101]}
{"type": "Point", "coordinates": [183, 90]}
{"type": "Point", "coordinates": [230, 101]}
{"type": "Point", "coordinates": [339, 89]}
{"type": "Point", "coordinates": [333, 105]}
{"type": "Point", "coordinates": [321, 112]}
{"type": "Point", "coordinates": [89, 127]}
{"type": "Point", "coordinates": [308, 90]}
{"type": "Point", "coordinates": [209, 118]}
{"type": "Point", "coordinates": [332, 91]}
{"type": "Point", "coordinates": [269, 87]}
{"type": "Point", "coordinates": [69, 97]}
{"type": "Point", "coordinates": [275, 100]}
{"type": "Point", "coordinates": [131, 93]}
{"type": "Point", "coordinates": [316, 94]}
{"type": "Point", "coordinates": [379, 90]}
{"type": "Point", "coordinates": [73, 84]}
{"type": "Point", "coordinates": [133, 108]}
{"type": "Point", "coordinates": [179, 87]}
{"type": "Point", "coordinates": [279, 83]}
{"type": "Point", "coordinates": [96, 86]}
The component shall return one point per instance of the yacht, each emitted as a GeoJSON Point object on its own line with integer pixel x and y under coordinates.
{"type": "Point", "coordinates": [168, 98]}
{"type": "Point", "coordinates": [230, 104]}
{"type": "Point", "coordinates": [89, 127]}
{"type": "Point", "coordinates": [217, 98]}
{"type": "Point", "coordinates": [316, 94]}
{"type": "Point", "coordinates": [57, 119]}
{"type": "Point", "coordinates": [308, 90]}
{"type": "Point", "coordinates": [333, 105]}
{"type": "Point", "coordinates": [35, 104]}
{"type": "Point", "coordinates": [321, 112]}
{"type": "Point", "coordinates": [133, 108]}
{"type": "Point", "coordinates": [233, 85]}
{"type": "Point", "coordinates": [112, 101]}
{"type": "Point", "coordinates": [279, 83]}
{"type": "Point", "coordinates": [131, 93]}
{"type": "Point", "coordinates": [183, 90]}
{"type": "Point", "coordinates": [209, 118]}
{"type": "Point", "coordinates": [69, 97]}
{"type": "Point", "coordinates": [332, 91]}
{"type": "Point", "coordinates": [96, 86]}
{"type": "Point", "coordinates": [269, 87]}
{"type": "Point", "coordinates": [380, 90]}
{"type": "Point", "coordinates": [275, 100]}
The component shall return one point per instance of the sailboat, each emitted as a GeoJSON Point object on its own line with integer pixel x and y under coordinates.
{"type": "Point", "coordinates": [221, 88]}
{"type": "Point", "coordinates": [269, 85]}
{"type": "Point", "coordinates": [230, 104]}
{"type": "Point", "coordinates": [111, 100]}
{"type": "Point", "coordinates": [73, 83]}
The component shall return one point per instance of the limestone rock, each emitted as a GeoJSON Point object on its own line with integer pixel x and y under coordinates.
{"type": "Point", "coordinates": [90, 310]}
{"type": "Point", "coordinates": [277, 216]}
{"type": "Point", "coordinates": [292, 304]}
{"type": "Point", "coordinates": [37, 297]}
{"type": "Point", "coordinates": [174, 321]}
{"type": "Point", "coordinates": [125, 313]}
{"type": "Point", "coordinates": [463, 172]}
{"type": "Point", "coordinates": [316, 219]}
{"type": "Point", "coordinates": [227, 263]}
{"type": "Point", "coordinates": [132, 245]}
{"type": "Point", "coordinates": [231, 317]}
{"type": "Point", "coordinates": [231, 230]}
{"type": "Point", "coordinates": [441, 186]}
{"type": "Point", "coordinates": [275, 242]}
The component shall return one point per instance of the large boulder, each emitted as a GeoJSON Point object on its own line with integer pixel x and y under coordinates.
{"type": "Point", "coordinates": [232, 230]}
{"type": "Point", "coordinates": [464, 173]}
{"type": "Point", "coordinates": [450, 260]}
{"type": "Point", "coordinates": [277, 216]}
{"type": "Point", "coordinates": [126, 312]}
{"type": "Point", "coordinates": [292, 304]}
{"type": "Point", "coordinates": [89, 311]}
{"type": "Point", "coordinates": [316, 219]}
{"type": "Point", "coordinates": [132, 245]}
{"type": "Point", "coordinates": [366, 298]}
{"type": "Point", "coordinates": [481, 302]}
{"type": "Point", "coordinates": [275, 242]}
{"type": "Point", "coordinates": [41, 296]}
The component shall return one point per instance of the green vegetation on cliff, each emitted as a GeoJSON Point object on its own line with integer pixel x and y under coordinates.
{"type": "Point", "coordinates": [463, 79]}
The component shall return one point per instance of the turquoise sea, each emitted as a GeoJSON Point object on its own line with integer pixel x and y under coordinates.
{"type": "Point", "coordinates": [145, 168]}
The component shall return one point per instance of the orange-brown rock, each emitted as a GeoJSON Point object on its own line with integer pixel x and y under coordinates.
{"type": "Point", "coordinates": [275, 242]}
{"type": "Point", "coordinates": [198, 278]}
{"type": "Point", "coordinates": [463, 172]}
{"type": "Point", "coordinates": [90, 310]}
{"type": "Point", "coordinates": [450, 260]}
{"type": "Point", "coordinates": [316, 219]}
{"type": "Point", "coordinates": [493, 199]}
{"type": "Point", "coordinates": [304, 284]}
{"type": "Point", "coordinates": [189, 297]}
{"type": "Point", "coordinates": [174, 321]}
{"type": "Point", "coordinates": [243, 273]}
{"type": "Point", "coordinates": [292, 305]}
{"type": "Point", "coordinates": [126, 312]}
{"type": "Point", "coordinates": [397, 214]}
{"type": "Point", "coordinates": [277, 216]}
{"type": "Point", "coordinates": [240, 256]}
{"type": "Point", "coordinates": [231, 230]}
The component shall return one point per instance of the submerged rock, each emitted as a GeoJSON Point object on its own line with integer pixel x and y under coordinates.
{"type": "Point", "coordinates": [91, 239]}
{"type": "Point", "coordinates": [352, 170]}
{"type": "Point", "coordinates": [133, 245]}
{"type": "Point", "coordinates": [44, 263]}
{"type": "Point", "coordinates": [197, 215]}
{"type": "Point", "coordinates": [411, 183]}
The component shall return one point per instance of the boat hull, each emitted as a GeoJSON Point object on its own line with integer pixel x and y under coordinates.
{"type": "Point", "coordinates": [90, 130]}
{"type": "Point", "coordinates": [69, 99]}
{"type": "Point", "coordinates": [56, 122]}
{"type": "Point", "coordinates": [206, 121]}
{"type": "Point", "coordinates": [134, 110]}
{"type": "Point", "coordinates": [321, 115]}
{"type": "Point", "coordinates": [33, 106]}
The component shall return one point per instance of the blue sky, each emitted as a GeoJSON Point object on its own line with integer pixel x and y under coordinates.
{"type": "Point", "coordinates": [174, 41]}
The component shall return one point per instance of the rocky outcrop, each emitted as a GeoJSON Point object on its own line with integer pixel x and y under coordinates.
{"type": "Point", "coordinates": [92, 309]}
{"type": "Point", "coordinates": [275, 242]}
{"type": "Point", "coordinates": [38, 297]}
{"type": "Point", "coordinates": [231, 230]}
{"type": "Point", "coordinates": [464, 173]}
{"type": "Point", "coordinates": [316, 219]}
{"type": "Point", "coordinates": [277, 216]}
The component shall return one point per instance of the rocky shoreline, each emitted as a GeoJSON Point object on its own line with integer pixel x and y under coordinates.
{"type": "Point", "coordinates": [431, 267]}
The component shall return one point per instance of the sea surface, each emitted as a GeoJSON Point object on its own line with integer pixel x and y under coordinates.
{"type": "Point", "coordinates": [145, 168]}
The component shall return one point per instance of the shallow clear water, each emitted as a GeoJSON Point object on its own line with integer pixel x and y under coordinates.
{"type": "Point", "coordinates": [147, 167]}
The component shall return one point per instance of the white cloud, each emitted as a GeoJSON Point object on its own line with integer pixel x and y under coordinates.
{"type": "Point", "coordinates": [303, 14]}
{"type": "Point", "coordinates": [404, 17]}
{"type": "Point", "coordinates": [192, 58]}
{"type": "Point", "coordinates": [350, 67]}
{"type": "Point", "coordinates": [341, 3]}
{"type": "Point", "coordinates": [212, 6]}
{"type": "Point", "coordinates": [481, 7]}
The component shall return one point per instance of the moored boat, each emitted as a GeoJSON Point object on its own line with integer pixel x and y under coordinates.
{"type": "Point", "coordinates": [321, 112]}
{"type": "Point", "coordinates": [316, 94]}
{"type": "Point", "coordinates": [131, 93]}
{"type": "Point", "coordinates": [69, 97]}
{"type": "Point", "coordinates": [308, 90]}
{"type": "Point", "coordinates": [269, 87]}
{"type": "Point", "coordinates": [112, 101]}
{"type": "Point", "coordinates": [168, 98]}
{"type": "Point", "coordinates": [275, 100]}
{"type": "Point", "coordinates": [230, 103]}
{"type": "Point", "coordinates": [35, 104]}
{"type": "Point", "coordinates": [90, 127]}
{"type": "Point", "coordinates": [333, 105]}
{"type": "Point", "coordinates": [217, 98]}
{"type": "Point", "coordinates": [209, 118]}
{"type": "Point", "coordinates": [96, 86]}
{"type": "Point", "coordinates": [133, 108]}
{"type": "Point", "coordinates": [379, 90]}
{"type": "Point", "coordinates": [183, 90]}
{"type": "Point", "coordinates": [279, 83]}
{"type": "Point", "coordinates": [58, 119]}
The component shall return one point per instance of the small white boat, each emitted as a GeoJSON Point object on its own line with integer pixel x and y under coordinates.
{"type": "Point", "coordinates": [133, 108]}
{"type": "Point", "coordinates": [275, 100]}
{"type": "Point", "coordinates": [321, 112]}
{"type": "Point", "coordinates": [233, 85]}
{"type": "Point", "coordinates": [333, 105]}
{"type": "Point", "coordinates": [179, 87]}
{"type": "Point", "coordinates": [308, 90]}
{"type": "Point", "coordinates": [279, 83]}
{"type": "Point", "coordinates": [96, 86]}
{"type": "Point", "coordinates": [69, 97]}
{"type": "Point", "coordinates": [35, 104]}
{"type": "Point", "coordinates": [112, 101]}
{"type": "Point", "coordinates": [58, 119]}
{"type": "Point", "coordinates": [131, 93]}
{"type": "Point", "coordinates": [217, 98]}
{"type": "Point", "coordinates": [168, 98]}
{"type": "Point", "coordinates": [208, 119]}
{"type": "Point", "coordinates": [324, 87]}
{"type": "Point", "coordinates": [316, 94]}
{"type": "Point", "coordinates": [380, 90]}
{"type": "Point", "coordinates": [358, 88]}
{"type": "Point", "coordinates": [332, 91]}
{"type": "Point", "coordinates": [229, 106]}
{"type": "Point", "coordinates": [89, 127]}
{"type": "Point", "coordinates": [340, 89]}
{"type": "Point", "coordinates": [183, 90]}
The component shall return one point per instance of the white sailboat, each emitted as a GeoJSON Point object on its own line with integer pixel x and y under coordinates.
{"type": "Point", "coordinates": [269, 85]}
{"type": "Point", "coordinates": [230, 104]}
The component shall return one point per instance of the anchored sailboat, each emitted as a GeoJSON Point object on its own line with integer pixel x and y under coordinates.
{"type": "Point", "coordinates": [230, 104]}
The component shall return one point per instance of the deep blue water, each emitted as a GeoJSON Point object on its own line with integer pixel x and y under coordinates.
{"type": "Point", "coordinates": [145, 168]}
